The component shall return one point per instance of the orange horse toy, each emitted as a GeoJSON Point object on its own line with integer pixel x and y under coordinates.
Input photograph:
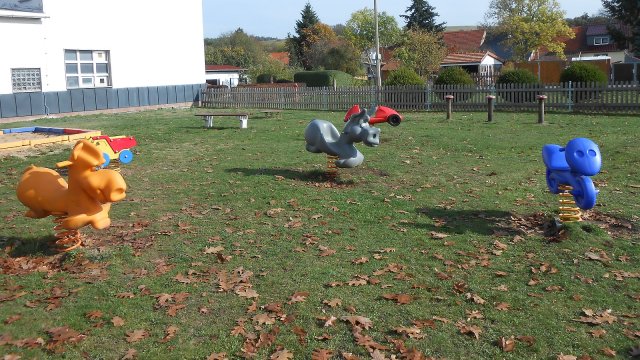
{"type": "Point", "coordinates": [85, 199]}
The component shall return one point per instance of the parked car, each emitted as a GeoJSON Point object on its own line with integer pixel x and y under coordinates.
{"type": "Point", "coordinates": [383, 114]}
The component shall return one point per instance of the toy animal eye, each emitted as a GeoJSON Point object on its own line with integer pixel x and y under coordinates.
{"type": "Point", "coordinates": [591, 152]}
{"type": "Point", "coordinates": [579, 153]}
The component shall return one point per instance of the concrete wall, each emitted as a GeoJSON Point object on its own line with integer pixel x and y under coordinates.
{"type": "Point", "coordinates": [151, 43]}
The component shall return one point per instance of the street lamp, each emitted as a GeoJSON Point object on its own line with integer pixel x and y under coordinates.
{"type": "Point", "coordinates": [378, 57]}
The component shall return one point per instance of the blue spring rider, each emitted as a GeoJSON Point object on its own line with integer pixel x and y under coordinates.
{"type": "Point", "coordinates": [569, 169]}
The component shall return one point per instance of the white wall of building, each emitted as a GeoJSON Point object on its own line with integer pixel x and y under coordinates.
{"type": "Point", "coordinates": [150, 42]}
{"type": "Point", "coordinates": [230, 79]}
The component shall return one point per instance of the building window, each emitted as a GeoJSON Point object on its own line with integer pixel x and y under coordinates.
{"type": "Point", "coordinates": [26, 80]}
{"type": "Point", "coordinates": [87, 68]}
{"type": "Point", "coordinates": [601, 40]}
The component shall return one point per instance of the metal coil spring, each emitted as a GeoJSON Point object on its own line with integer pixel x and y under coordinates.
{"type": "Point", "coordinates": [569, 212]}
{"type": "Point", "coordinates": [332, 169]}
{"type": "Point", "coordinates": [67, 239]}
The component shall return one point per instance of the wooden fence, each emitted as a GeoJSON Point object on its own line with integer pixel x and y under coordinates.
{"type": "Point", "coordinates": [567, 97]}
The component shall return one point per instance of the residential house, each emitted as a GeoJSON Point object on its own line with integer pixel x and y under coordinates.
{"type": "Point", "coordinates": [85, 55]}
{"type": "Point", "coordinates": [591, 43]}
{"type": "Point", "coordinates": [466, 49]}
{"type": "Point", "coordinates": [227, 75]}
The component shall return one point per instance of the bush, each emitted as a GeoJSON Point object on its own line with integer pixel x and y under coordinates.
{"type": "Point", "coordinates": [403, 76]}
{"type": "Point", "coordinates": [454, 76]}
{"type": "Point", "coordinates": [323, 78]}
{"type": "Point", "coordinates": [519, 77]}
{"type": "Point", "coordinates": [583, 72]}
{"type": "Point", "coordinates": [265, 78]}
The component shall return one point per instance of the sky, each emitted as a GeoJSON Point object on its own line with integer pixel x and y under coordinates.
{"type": "Point", "coordinates": [277, 18]}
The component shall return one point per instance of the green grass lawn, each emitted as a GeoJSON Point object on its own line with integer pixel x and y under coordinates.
{"type": "Point", "coordinates": [231, 241]}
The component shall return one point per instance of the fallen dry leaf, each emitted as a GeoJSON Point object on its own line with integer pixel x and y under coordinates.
{"type": "Point", "coordinates": [136, 335]}
{"type": "Point", "coordinates": [529, 340]}
{"type": "Point", "coordinates": [170, 333]}
{"type": "Point", "coordinates": [283, 354]}
{"type": "Point", "coordinates": [437, 235]}
{"type": "Point", "coordinates": [401, 299]}
{"type": "Point", "coordinates": [218, 356]}
{"type": "Point", "coordinates": [333, 302]}
{"type": "Point", "coordinates": [95, 314]}
{"type": "Point", "coordinates": [608, 352]}
{"type": "Point", "coordinates": [298, 297]}
{"type": "Point", "coordinates": [321, 354]}
{"type": "Point", "coordinates": [469, 329]}
{"type": "Point", "coordinates": [507, 345]}
{"type": "Point", "coordinates": [130, 354]}
{"type": "Point", "coordinates": [358, 321]}
{"type": "Point", "coordinates": [117, 321]}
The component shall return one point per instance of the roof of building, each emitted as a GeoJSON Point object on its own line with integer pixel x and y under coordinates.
{"type": "Point", "coordinates": [579, 42]}
{"type": "Point", "coordinates": [391, 65]}
{"type": "Point", "coordinates": [222, 68]}
{"type": "Point", "coordinates": [464, 40]}
{"type": "Point", "coordinates": [281, 56]}
{"type": "Point", "coordinates": [597, 30]}
{"type": "Point", "coordinates": [468, 58]}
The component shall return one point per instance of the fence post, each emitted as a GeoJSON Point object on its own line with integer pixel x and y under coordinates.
{"type": "Point", "coordinates": [541, 99]}
{"type": "Point", "coordinates": [428, 92]}
{"type": "Point", "coordinates": [449, 99]}
{"type": "Point", "coordinates": [570, 96]}
{"type": "Point", "coordinates": [490, 99]}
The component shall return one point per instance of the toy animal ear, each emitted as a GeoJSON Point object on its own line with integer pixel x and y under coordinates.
{"type": "Point", "coordinates": [77, 150]}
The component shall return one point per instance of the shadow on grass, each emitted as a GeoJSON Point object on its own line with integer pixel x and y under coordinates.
{"type": "Point", "coordinates": [291, 174]}
{"type": "Point", "coordinates": [483, 222]}
{"type": "Point", "coordinates": [18, 247]}
{"type": "Point", "coordinates": [215, 128]}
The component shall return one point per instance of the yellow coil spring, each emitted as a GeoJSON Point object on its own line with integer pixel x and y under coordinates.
{"type": "Point", "coordinates": [569, 212]}
{"type": "Point", "coordinates": [332, 169]}
{"type": "Point", "coordinates": [67, 239]}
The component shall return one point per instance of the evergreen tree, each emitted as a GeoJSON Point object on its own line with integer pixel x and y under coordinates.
{"type": "Point", "coordinates": [628, 13]}
{"type": "Point", "coordinates": [422, 16]}
{"type": "Point", "coordinates": [296, 44]}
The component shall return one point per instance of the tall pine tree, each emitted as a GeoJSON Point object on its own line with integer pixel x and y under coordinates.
{"type": "Point", "coordinates": [296, 44]}
{"type": "Point", "coordinates": [628, 13]}
{"type": "Point", "coordinates": [423, 17]}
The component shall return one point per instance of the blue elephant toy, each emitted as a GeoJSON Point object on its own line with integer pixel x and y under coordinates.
{"type": "Point", "coordinates": [573, 165]}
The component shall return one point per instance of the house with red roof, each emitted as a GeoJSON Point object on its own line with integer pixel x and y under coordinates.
{"type": "Point", "coordinates": [466, 49]}
{"type": "Point", "coordinates": [590, 43]}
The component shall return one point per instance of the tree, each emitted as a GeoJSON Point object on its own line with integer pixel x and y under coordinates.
{"type": "Point", "coordinates": [530, 25]}
{"type": "Point", "coordinates": [296, 44]}
{"type": "Point", "coordinates": [422, 16]}
{"type": "Point", "coordinates": [422, 51]}
{"type": "Point", "coordinates": [360, 29]}
{"type": "Point", "coordinates": [337, 55]}
{"type": "Point", "coordinates": [235, 48]}
{"type": "Point", "coordinates": [628, 13]}
{"type": "Point", "coordinates": [586, 19]}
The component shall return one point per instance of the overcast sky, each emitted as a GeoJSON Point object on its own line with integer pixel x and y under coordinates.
{"type": "Point", "coordinates": [277, 18]}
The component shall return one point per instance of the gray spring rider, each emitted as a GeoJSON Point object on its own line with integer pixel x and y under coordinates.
{"type": "Point", "coordinates": [322, 136]}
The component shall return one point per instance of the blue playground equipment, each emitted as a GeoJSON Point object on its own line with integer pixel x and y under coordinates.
{"type": "Point", "coordinates": [568, 174]}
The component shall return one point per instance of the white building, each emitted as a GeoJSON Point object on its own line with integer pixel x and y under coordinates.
{"type": "Point", "coordinates": [227, 75]}
{"type": "Point", "coordinates": [57, 49]}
